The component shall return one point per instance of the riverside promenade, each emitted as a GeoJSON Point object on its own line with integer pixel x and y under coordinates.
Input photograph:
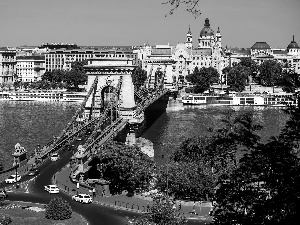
{"type": "Point", "coordinates": [137, 203]}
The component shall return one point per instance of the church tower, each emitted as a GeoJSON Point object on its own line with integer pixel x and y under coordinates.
{"type": "Point", "coordinates": [206, 39]}
{"type": "Point", "coordinates": [219, 38]}
{"type": "Point", "coordinates": [189, 39]}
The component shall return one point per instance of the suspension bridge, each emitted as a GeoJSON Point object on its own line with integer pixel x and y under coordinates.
{"type": "Point", "coordinates": [111, 104]}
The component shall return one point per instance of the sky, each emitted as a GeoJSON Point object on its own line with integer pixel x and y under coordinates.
{"type": "Point", "coordinates": [136, 22]}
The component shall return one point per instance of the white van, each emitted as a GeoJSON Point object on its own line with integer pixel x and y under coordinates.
{"type": "Point", "coordinates": [54, 157]}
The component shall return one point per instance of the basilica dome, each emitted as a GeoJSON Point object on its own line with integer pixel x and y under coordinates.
{"type": "Point", "coordinates": [206, 31]}
{"type": "Point", "coordinates": [293, 44]}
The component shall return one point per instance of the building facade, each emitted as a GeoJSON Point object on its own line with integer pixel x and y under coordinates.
{"type": "Point", "coordinates": [30, 68]}
{"type": "Point", "coordinates": [289, 58]}
{"type": "Point", "coordinates": [180, 60]}
{"type": "Point", "coordinates": [62, 59]}
{"type": "Point", "coordinates": [7, 65]}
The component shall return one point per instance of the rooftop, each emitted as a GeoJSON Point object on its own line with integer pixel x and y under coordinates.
{"type": "Point", "coordinates": [261, 45]}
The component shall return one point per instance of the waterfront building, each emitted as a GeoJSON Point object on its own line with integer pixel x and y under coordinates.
{"type": "Point", "coordinates": [289, 58]}
{"type": "Point", "coordinates": [63, 58]}
{"type": "Point", "coordinates": [30, 68]}
{"type": "Point", "coordinates": [180, 60]}
{"type": "Point", "coordinates": [7, 64]}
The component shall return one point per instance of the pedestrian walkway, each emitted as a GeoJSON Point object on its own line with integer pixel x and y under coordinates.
{"type": "Point", "coordinates": [191, 210]}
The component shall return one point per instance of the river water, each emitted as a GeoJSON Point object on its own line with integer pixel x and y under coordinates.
{"type": "Point", "coordinates": [32, 123]}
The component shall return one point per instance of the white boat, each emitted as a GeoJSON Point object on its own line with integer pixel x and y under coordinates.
{"type": "Point", "coordinates": [37, 95]}
{"type": "Point", "coordinates": [73, 96]}
{"type": "Point", "coordinates": [46, 95]}
{"type": "Point", "coordinates": [272, 99]}
{"type": "Point", "coordinates": [4, 95]}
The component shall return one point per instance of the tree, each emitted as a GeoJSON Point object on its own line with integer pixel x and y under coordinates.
{"type": "Point", "coordinates": [75, 77]}
{"type": "Point", "coordinates": [162, 212]}
{"type": "Point", "coordinates": [58, 209]}
{"type": "Point", "coordinates": [265, 189]}
{"type": "Point", "coordinates": [251, 66]}
{"type": "Point", "coordinates": [192, 180]}
{"type": "Point", "coordinates": [139, 76]}
{"type": "Point", "coordinates": [290, 81]}
{"type": "Point", "coordinates": [202, 161]}
{"type": "Point", "coordinates": [126, 167]}
{"type": "Point", "coordinates": [191, 6]}
{"type": "Point", "coordinates": [270, 73]}
{"type": "Point", "coordinates": [290, 132]}
{"type": "Point", "coordinates": [79, 65]}
{"type": "Point", "coordinates": [203, 78]}
{"type": "Point", "coordinates": [237, 78]}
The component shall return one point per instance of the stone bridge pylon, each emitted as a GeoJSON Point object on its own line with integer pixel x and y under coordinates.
{"type": "Point", "coordinates": [114, 88]}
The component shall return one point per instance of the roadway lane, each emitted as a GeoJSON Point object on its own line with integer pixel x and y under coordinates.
{"type": "Point", "coordinates": [95, 214]}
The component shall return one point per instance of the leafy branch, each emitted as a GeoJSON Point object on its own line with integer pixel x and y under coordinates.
{"type": "Point", "coordinates": [191, 6]}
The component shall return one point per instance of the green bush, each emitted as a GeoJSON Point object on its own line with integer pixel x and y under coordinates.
{"type": "Point", "coordinates": [4, 220]}
{"type": "Point", "coordinates": [58, 209]}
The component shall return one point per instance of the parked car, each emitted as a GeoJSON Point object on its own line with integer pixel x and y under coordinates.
{"type": "Point", "coordinates": [33, 172]}
{"type": "Point", "coordinates": [83, 198]}
{"type": "Point", "coordinates": [13, 179]}
{"type": "Point", "coordinates": [54, 157]}
{"type": "Point", "coordinates": [3, 193]}
{"type": "Point", "coordinates": [52, 189]}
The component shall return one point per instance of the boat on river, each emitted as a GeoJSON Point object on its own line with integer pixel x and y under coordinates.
{"type": "Point", "coordinates": [4, 95]}
{"type": "Point", "coordinates": [239, 99]}
{"type": "Point", "coordinates": [47, 95]}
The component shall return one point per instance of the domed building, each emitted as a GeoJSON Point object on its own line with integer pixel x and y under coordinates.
{"type": "Point", "coordinates": [293, 48]}
{"type": "Point", "coordinates": [207, 38]}
{"type": "Point", "coordinates": [180, 60]}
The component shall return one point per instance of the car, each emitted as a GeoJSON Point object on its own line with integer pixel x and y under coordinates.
{"type": "Point", "coordinates": [55, 157]}
{"type": "Point", "coordinates": [83, 198]}
{"type": "Point", "coordinates": [79, 139]}
{"type": "Point", "coordinates": [3, 193]}
{"type": "Point", "coordinates": [13, 179]}
{"type": "Point", "coordinates": [33, 172]}
{"type": "Point", "coordinates": [52, 189]}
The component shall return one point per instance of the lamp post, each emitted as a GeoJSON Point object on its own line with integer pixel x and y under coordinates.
{"type": "Point", "coordinates": [17, 185]}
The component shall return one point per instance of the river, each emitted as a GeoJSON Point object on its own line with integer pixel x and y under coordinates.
{"type": "Point", "coordinates": [32, 123]}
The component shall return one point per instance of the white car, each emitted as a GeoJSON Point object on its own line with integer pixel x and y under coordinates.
{"type": "Point", "coordinates": [52, 189]}
{"type": "Point", "coordinates": [83, 198]}
{"type": "Point", "coordinates": [13, 179]}
{"type": "Point", "coordinates": [54, 157]}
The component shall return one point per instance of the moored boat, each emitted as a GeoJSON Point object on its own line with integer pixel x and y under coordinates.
{"type": "Point", "coordinates": [4, 95]}
{"type": "Point", "coordinates": [73, 96]}
{"type": "Point", "coordinates": [271, 99]}
{"type": "Point", "coordinates": [45, 95]}
{"type": "Point", "coordinates": [37, 95]}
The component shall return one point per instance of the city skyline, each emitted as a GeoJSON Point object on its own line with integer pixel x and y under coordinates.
{"type": "Point", "coordinates": [135, 22]}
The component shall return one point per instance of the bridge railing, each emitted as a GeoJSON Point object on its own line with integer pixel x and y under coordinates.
{"type": "Point", "coordinates": [105, 134]}
{"type": "Point", "coordinates": [149, 100]}
{"type": "Point", "coordinates": [66, 134]}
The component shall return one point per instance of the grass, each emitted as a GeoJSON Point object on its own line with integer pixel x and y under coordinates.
{"type": "Point", "coordinates": [23, 216]}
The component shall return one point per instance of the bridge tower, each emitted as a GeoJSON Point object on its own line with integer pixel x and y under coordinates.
{"type": "Point", "coordinates": [114, 88]}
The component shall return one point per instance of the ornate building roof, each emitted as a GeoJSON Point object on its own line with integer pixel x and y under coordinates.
{"type": "Point", "coordinates": [293, 44]}
{"type": "Point", "coordinates": [206, 52]}
{"type": "Point", "coordinates": [279, 52]}
{"type": "Point", "coordinates": [206, 31]}
{"type": "Point", "coordinates": [261, 45]}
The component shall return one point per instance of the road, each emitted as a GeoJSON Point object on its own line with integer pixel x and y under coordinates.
{"type": "Point", "coordinates": [94, 214]}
